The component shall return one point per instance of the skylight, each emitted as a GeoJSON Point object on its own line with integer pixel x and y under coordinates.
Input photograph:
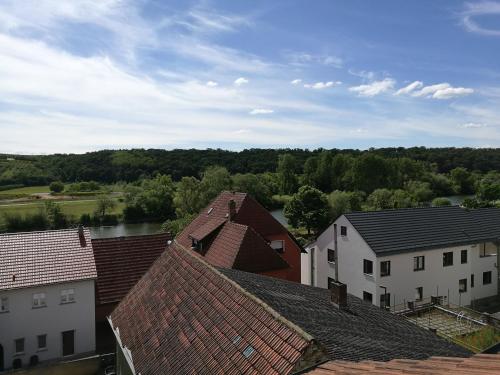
{"type": "Point", "coordinates": [248, 351]}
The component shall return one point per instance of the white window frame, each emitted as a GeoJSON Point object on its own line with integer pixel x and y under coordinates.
{"type": "Point", "coordinates": [417, 263]}
{"type": "Point", "coordinates": [39, 300]}
{"type": "Point", "coordinates": [4, 304]}
{"type": "Point", "coordinates": [39, 348]}
{"type": "Point", "coordinates": [15, 346]}
{"type": "Point", "coordinates": [280, 248]}
{"type": "Point", "coordinates": [328, 255]}
{"type": "Point", "coordinates": [388, 262]}
{"type": "Point", "coordinates": [371, 261]}
{"type": "Point", "coordinates": [67, 296]}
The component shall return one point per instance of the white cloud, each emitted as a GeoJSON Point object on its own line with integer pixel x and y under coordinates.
{"type": "Point", "coordinates": [481, 8]}
{"type": "Point", "coordinates": [410, 88]}
{"type": "Point", "coordinates": [321, 85]}
{"type": "Point", "coordinates": [472, 125]}
{"type": "Point", "coordinates": [261, 111]}
{"type": "Point", "coordinates": [241, 81]}
{"type": "Point", "coordinates": [296, 81]}
{"type": "Point", "coordinates": [304, 59]}
{"type": "Point", "coordinates": [374, 88]}
{"type": "Point", "coordinates": [365, 74]}
{"type": "Point", "coordinates": [442, 91]}
{"type": "Point", "coordinates": [452, 92]}
{"type": "Point", "coordinates": [212, 84]}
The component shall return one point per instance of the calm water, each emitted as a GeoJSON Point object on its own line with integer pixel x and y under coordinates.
{"type": "Point", "coordinates": [125, 230]}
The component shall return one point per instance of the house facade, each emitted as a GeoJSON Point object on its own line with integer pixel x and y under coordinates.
{"type": "Point", "coordinates": [47, 308]}
{"type": "Point", "coordinates": [398, 256]}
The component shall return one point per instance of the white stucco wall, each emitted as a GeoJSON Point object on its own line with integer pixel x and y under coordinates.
{"type": "Point", "coordinates": [436, 279]}
{"type": "Point", "coordinates": [403, 281]}
{"type": "Point", "coordinates": [24, 321]}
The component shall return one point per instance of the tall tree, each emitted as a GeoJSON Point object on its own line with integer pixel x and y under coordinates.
{"type": "Point", "coordinates": [215, 179]}
{"type": "Point", "coordinates": [188, 198]}
{"type": "Point", "coordinates": [254, 186]}
{"type": "Point", "coordinates": [287, 173]}
{"type": "Point", "coordinates": [308, 208]}
{"type": "Point", "coordinates": [463, 180]}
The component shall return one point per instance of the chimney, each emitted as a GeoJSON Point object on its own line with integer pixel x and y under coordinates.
{"type": "Point", "coordinates": [338, 292]}
{"type": "Point", "coordinates": [232, 209]}
{"type": "Point", "coordinates": [81, 236]}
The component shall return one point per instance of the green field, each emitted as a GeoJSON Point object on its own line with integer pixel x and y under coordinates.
{"type": "Point", "coordinates": [74, 208]}
{"type": "Point", "coordinates": [27, 190]}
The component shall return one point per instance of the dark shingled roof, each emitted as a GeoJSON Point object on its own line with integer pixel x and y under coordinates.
{"type": "Point", "coordinates": [361, 332]}
{"type": "Point", "coordinates": [122, 261]}
{"type": "Point", "coordinates": [402, 230]}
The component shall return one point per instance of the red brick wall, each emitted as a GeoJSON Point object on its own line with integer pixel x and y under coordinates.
{"type": "Point", "coordinates": [292, 257]}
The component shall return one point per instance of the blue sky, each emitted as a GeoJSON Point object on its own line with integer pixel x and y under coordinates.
{"type": "Point", "coordinates": [86, 75]}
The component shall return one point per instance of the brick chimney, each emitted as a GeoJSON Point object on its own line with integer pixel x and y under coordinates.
{"type": "Point", "coordinates": [232, 209]}
{"type": "Point", "coordinates": [81, 236]}
{"type": "Point", "coordinates": [338, 292]}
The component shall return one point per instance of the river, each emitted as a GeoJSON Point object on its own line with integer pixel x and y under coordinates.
{"type": "Point", "coordinates": [122, 229]}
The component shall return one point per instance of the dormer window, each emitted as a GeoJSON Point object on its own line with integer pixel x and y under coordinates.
{"type": "Point", "coordinates": [197, 245]}
{"type": "Point", "coordinates": [278, 245]}
{"type": "Point", "coordinates": [210, 210]}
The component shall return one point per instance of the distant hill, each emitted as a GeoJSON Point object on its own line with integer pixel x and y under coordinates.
{"type": "Point", "coordinates": [110, 166]}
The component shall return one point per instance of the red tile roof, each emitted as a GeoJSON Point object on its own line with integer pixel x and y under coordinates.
{"type": "Point", "coordinates": [185, 317]}
{"type": "Point", "coordinates": [487, 364]}
{"type": "Point", "coordinates": [39, 258]}
{"type": "Point", "coordinates": [122, 261]}
{"type": "Point", "coordinates": [240, 247]}
{"type": "Point", "coordinates": [240, 243]}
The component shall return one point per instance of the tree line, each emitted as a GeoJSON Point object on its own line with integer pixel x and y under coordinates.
{"type": "Point", "coordinates": [110, 166]}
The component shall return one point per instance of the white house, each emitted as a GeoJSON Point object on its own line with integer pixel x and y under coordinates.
{"type": "Point", "coordinates": [394, 256]}
{"type": "Point", "coordinates": [47, 301]}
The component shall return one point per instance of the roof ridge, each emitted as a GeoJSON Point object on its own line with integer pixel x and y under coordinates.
{"type": "Point", "coordinates": [257, 300]}
{"type": "Point", "coordinates": [407, 209]}
{"type": "Point", "coordinates": [43, 231]}
{"type": "Point", "coordinates": [133, 236]}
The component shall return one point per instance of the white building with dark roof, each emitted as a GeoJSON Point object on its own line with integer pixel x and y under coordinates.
{"type": "Point", "coordinates": [393, 257]}
{"type": "Point", "coordinates": [47, 300]}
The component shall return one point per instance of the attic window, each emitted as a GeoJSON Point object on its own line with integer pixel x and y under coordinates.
{"type": "Point", "coordinates": [278, 245]}
{"type": "Point", "coordinates": [210, 210]}
{"type": "Point", "coordinates": [248, 351]}
{"type": "Point", "coordinates": [236, 339]}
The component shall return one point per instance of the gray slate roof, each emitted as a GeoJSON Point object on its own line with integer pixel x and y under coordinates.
{"type": "Point", "coordinates": [411, 229]}
{"type": "Point", "coordinates": [361, 332]}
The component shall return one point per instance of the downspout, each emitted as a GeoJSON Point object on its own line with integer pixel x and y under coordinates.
{"type": "Point", "coordinates": [336, 248]}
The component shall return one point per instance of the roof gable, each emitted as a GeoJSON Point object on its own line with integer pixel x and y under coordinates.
{"type": "Point", "coordinates": [184, 316]}
{"type": "Point", "coordinates": [39, 258]}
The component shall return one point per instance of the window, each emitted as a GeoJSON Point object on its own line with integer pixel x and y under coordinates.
{"type": "Point", "coordinates": [4, 304]}
{"type": "Point", "coordinates": [330, 282]}
{"type": "Point", "coordinates": [462, 285]}
{"type": "Point", "coordinates": [385, 300]}
{"type": "Point", "coordinates": [448, 259]}
{"type": "Point", "coordinates": [39, 300]}
{"type": "Point", "coordinates": [19, 346]}
{"type": "Point", "coordinates": [248, 351]}
{"type": "Point", "coordinates": [487, 278]}
{"type": "Point", "coordinates": [385, 268]}
{"type": "Point", "coordinates": [278, 245]}
{"type": "Point", "coordinates": [463, 256]}
{"type": "Point", "coordinates": [367, 267]}
{"type": "Point", "coordinates": [343, 231]}
{"type": "Point", "coordinates": [42, 342]}
{"type": "Point", "coordinates": [368, 297]}
{"type": "Point", "coordinates": [419, 263]}
{"type": "Point", "coordinates": [67, 296]}
{"type": "Point", "coordinates": [419, 293]}
{"type": "Point", "coordinates": [197, 245]}
{"type": "Point", "coordinates": [331, 255]}
{"type": "Point", "coordinates": [472, 281]}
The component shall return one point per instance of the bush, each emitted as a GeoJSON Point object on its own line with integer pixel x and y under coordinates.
{"type": "Point", "coordinates": [56, 186]}
{"type": "Point", "coordinates": [440, 202]}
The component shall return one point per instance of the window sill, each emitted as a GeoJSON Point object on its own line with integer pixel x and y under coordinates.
{"type": "Point", "coordinates": [42, 350]}
{"type": "Point", "coordinates": [38, 307]}
{"type": "Point", "coordinates": [67, 303]}
{"type": "Point", "coordinates": [370, 275]}
{"type": "Point", "coordinates": [19, 354]}
{"type": "Point", "coordinates": [331, 262]}
{"type": "Point", "coordinates": [487, 256]}
{"type": "Point", "coordinates": [385, 275]}
{"type": "Point", "coordinates": [419, 269]}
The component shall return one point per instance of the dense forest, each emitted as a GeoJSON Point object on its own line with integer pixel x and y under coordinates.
{"type": "Point", "coordinates": [130, 165]}
{"type": "Point", "coordinates": [313, 187]}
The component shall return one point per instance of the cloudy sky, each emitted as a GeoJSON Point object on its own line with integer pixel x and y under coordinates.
{"type": "Point", "coordinates": [84, 75]}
